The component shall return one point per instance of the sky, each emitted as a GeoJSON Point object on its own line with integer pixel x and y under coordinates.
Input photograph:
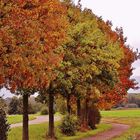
{"type": "Point", "coordinates": [122, 13]}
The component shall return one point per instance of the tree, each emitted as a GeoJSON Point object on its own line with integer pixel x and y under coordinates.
{"type": "Point", "coordinates": [15, 106]}
{"type": "Point", "coordinates": [3, 104]}
{"type": "Point", "coordinates": [91, 60]}
{"type": "Point", "coordinates": [29, 46]}
{"type": "Point", "coordinates": [119, 92]}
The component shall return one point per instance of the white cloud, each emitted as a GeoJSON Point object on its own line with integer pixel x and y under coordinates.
{"type": "Point", "coordinates": [136, 72]}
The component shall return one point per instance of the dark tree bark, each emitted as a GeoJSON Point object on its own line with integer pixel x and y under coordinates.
{"type": "Point", "coordinates": [78, 108]}
{"type": "Point", "coordinates": [86, 110]}
{"type": "Point", "coordinates": [51, 116]}
{"type": "Point", "coordinates": [68, 104]}
{"type": "Point", "coordinates": [25, 134]}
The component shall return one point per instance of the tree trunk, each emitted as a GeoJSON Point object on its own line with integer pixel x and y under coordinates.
{"type": "Point", "coordinates": [25, 134]}
{"type": "Point", "coordinates": [86, 110]}
{"type": "Point", "coordinates": [78, 108]}
{"type": "Point", "coordinates": [51, 116]}
{"type": "Point", "coordinates": [68, 104]}
{"type": "Point", "coordinates": [86, 114]}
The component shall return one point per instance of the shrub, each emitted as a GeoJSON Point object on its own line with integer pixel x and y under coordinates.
{"type": "Point", "coordinates": [94, 117]}
{"type": "Point", "coordinates": [44, 111]}
{"type": "Point", "coordinates": [132, 138]}
{"type": "Point", "coordinates": [69, 125]}
{"type": "Point", "coordinates": [4, 126]}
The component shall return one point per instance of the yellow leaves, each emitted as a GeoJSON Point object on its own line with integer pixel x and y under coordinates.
{"type": "Point", "coordinates": [95, 69]}
{"type": "Point", "coordinates": [95, 93]}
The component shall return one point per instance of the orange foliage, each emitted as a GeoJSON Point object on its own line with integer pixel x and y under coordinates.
{"type": "Point", "coordinates": [31, 31]}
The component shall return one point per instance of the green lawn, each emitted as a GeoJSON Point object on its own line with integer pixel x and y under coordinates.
{"type": "Point", "coordinates": [130, 117]}
{"type": "Point", "coordinates": [12, 119]}
{"type": "Point", "coordinates": [38, 131]}
{"type": "Point", "coordinates": [121, 113]}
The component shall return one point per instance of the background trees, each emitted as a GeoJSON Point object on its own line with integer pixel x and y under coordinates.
{"type": "Point", "coordinates": [3, 104]}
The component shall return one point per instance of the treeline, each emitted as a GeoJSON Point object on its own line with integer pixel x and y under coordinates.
{"type": "Point", "coordinates": [13, 105]}
{"type": "Point", "coordinates": [57, 49]}
{"type": "Point", "coordinates": [132, 100]}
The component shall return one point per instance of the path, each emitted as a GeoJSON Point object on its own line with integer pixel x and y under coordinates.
{"type": "Point", "coordinates": [116, 130]}
{"type": "Point", "coordinates": [38, 120]}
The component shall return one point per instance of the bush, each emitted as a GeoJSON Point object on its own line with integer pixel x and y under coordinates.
{"type": "Point", "coordinates": [4, 126]}
{"type": "Point", "coordinates": [44, 111]}
{"type": "Point", "coordinates": [69, 125]}
{"type": "Point", "coordinates": [94, 117]}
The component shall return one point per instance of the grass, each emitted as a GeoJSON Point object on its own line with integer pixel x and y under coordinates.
{"type": "Point", "coordinates": [130, 117]}
{"type": "Point", "coordinates": [38, 131]}
{"type": "Point", "coordinates": [79, 135]}
{"type": "Point", "coordinates": [12, 119]}
{"type": "Point", "coordinates": [121, 113]}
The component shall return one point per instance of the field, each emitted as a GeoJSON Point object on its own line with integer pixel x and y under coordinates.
{"type": "Point", "coordinates": [121, 113]}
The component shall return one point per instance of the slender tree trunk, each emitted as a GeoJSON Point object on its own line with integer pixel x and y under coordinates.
{"type": "Point", "coordinates": [51, 116]}
{"type": "Point", "coordinates": [86, 114]}
{"type": "Point", "coordinates": [68, 104]}
{"type": "Point", "coordinates": [25, 134]}
{"type": "Point", "coordinates": [78, 108]}
{"type": "Point", "coordinates": [86, 110]}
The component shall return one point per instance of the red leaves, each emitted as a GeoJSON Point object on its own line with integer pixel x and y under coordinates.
{"type": "Point", "coordinates": [119, 92]}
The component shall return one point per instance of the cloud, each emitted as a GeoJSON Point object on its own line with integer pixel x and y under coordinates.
{"type": "Point", "coordinates": [136, 72]}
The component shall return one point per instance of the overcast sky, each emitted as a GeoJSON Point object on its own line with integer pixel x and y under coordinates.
{"type": "Point", "coordinates": [122, 13]}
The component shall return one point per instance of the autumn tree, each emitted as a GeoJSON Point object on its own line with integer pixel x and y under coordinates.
{"type": "Point", "coordinates": [119, 92]}
{"type": "Point", "coordinates": [90, 59]}
{"type": "Point", "coordinates": [30, 33]}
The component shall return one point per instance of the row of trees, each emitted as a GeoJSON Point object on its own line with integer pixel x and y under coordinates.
{"type": "Point", "coordinates": [56, 48]}
{"type": "Point", "coordinates": [14, 105]}
{"type": "Point", "coordinates": [131, 101]}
